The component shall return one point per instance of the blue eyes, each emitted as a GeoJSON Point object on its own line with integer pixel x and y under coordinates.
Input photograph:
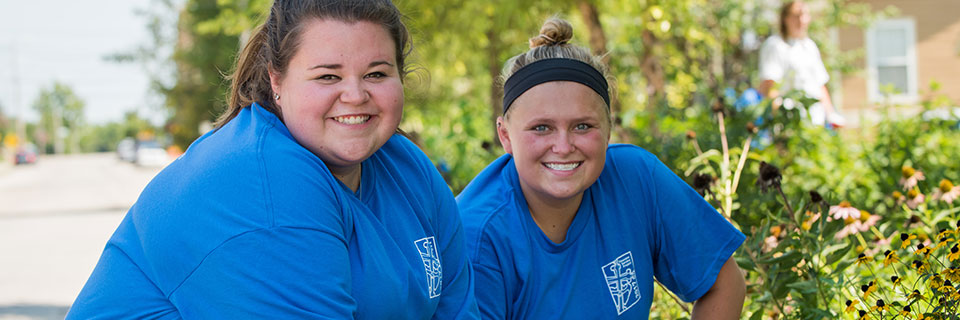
{"type": "Point", "coordinates": [544, 128]}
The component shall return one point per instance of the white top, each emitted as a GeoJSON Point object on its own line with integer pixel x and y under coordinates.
{"type": "Point", "coordinates": [795, 64]}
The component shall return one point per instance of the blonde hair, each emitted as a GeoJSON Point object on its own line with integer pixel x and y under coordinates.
{"type": "Point", "coordinates": [553, 42]}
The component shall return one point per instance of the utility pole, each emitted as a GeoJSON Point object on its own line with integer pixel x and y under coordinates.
{"type": "Point", "coordinates": [15, 85]}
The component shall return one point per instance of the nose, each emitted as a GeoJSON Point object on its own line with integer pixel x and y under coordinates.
{"type": "Point", "coordinates": [563, 143]}
{"type": "Point", "coordinates": [354, 93]}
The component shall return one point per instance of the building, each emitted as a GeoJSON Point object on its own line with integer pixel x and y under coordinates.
{"type": "Point", "coordinates": [908, 51]}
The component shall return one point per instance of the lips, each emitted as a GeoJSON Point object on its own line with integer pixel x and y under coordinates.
{"type": "Point", "coordinates": [563, 166]}
{"type": "Point", "coordinates": [352, 119]}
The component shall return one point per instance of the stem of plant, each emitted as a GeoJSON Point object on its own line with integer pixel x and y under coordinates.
{"type": "Point", "coordinates": [725, 166]}
{"type": "Point", "coordinates": [786, 204]}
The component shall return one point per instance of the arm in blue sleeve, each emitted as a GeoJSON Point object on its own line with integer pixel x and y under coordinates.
{"type": "Point", "coordinates": [273, 273]}
{"type": "Point", "coordinates": [457, 300]}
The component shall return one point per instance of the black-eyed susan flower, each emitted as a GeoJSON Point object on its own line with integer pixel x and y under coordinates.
{"type": "Point", "coordinates": [947, 287]}
{"type": "Point", "coordinates": [890, 257]}
{"type": "Point", "coordinates": [954, 253]}
{"type": "Point", "coordinates": [916, 295]}
{"type": "Point", "coordinates": [905, 239]}
{"type": "Point", "coordinates": [944, 233]}
{"type": "Point", "coordinates": [881, 306]}
{"type": "Point", "coordinates": [952, 274]}
{"type": "Point", "coordinates": [936, 282]}
{"type": "Point", "coordinates": [851, 306]}
{"type": "Point", "coordinates": [863, 258]}
{"type": "Point", "coordinates": [868, 289]}
{"type": "Point", "coordinates": [923, 250]}
{"type": "Point", "coordinates": [920, 266]}
{"type": "Point", "coordinates": [905, 312]}
{"type": "Point", "coordinates": [895, 280]}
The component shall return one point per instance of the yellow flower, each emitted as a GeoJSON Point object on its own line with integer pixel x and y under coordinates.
{"type": "Point", "coordinates": [907, 171]}
{"type": "Point", "coordinates": [890, 257]}
{"type": "Point", "coordinates": [868, 289]}
{"type": "Point", "coordinates": [895, 280]}
{"type": "Point", "coordinates": [923, 250]}
{"type": "Point", "coordinates": [905, 239]}
{"type": "Point", "coordinates": [921, 268]}
{"type": "Point", "coordinates": [862, 258]}
{"type": "Point", "coordinates": [905, 312]}
{"type": "Point", "coordinates": [863, 315]}
{"type": "Point", "coordinates": [946, 287]}
{"type": "Point", "coordinates": [944, 233]}
{"type": "Point", "coordinates": [946, 185]}
{"type": "Point", "coordinates": [915, 295]}
{"type": "Point", "coordinates": [936, 282]}
{"type": "Point", "coordinates": [881, 306]}
{"type": "Point", "coordinates": [851, 306]}
{"type": "Point", "coordinates": [954, 253]}
{"type": "Point", "coordinates": [952, 274]}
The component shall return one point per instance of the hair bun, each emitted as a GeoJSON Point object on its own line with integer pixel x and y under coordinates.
{"type": "Point", "coordinates": [555, 31]}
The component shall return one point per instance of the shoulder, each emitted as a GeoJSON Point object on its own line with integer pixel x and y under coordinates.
{"type": "Point", "coordinates": [630, 159]}
{"type": "Point", "coordinates": [773, 44]}
{"type": "Point", "coordinates": [487, 200]}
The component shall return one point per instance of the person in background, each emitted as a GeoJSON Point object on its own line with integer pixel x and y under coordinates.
{"type": "Point", "coordinates": [304, 203]}
{"type": "Point", "coordinates": [793, 61]}
{"type": "Point", "coordinates": [565, 226]}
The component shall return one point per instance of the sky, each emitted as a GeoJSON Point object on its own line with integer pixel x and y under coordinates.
{"type": "Point", "coordinates": [45, 41]}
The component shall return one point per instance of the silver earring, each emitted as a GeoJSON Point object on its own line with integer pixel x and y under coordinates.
{"type": "Point", "coordinates": [276, 96]}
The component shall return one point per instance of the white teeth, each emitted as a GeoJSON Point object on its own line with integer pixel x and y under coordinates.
{"type": "Point", "coordinates": [352, 119]}
{"type": "Point", "coordinates": [563, 166]}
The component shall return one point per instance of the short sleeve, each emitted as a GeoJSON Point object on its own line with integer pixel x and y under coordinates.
{"type": "Point", "coordinates": [491, 290]}
{"type": "Point", "coordinates": [275, 273]}
{"type": "Point", "coordinates": [693, 239]}
{"type": "Point", "coordinates": [771, 65]}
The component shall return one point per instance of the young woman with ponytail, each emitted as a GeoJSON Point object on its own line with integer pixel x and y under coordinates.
{"type": "Point", "coordinates": [304, 203]}
{"type": "Point", "coordinates": [565, 226]}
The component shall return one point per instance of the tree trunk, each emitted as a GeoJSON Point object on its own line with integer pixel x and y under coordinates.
{"type": "Point", "coordinates": [656, 82]}
{"type": "Point", "coordinates": [598, 45]}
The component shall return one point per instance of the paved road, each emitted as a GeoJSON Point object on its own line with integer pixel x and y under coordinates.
{"type": "Point", "coordinates": [55, 218]}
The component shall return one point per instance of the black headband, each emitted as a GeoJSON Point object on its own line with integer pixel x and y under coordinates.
{"type": "Point", "coordinates": [554, 69]}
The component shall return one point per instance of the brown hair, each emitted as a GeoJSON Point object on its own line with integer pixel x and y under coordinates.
{"type": "Point", "coordinates": [553, 42]}
{"type": "Point", "coordinates": [275, 42]}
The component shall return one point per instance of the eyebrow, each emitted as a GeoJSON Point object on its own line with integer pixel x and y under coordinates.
{"type": "Point", "coordinates": [338, 66]}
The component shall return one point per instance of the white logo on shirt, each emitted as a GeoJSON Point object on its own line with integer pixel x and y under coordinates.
{"type": "Point", "coordinates": [622, 281]}
{"type": "Point", "coordinates": [431, 264]}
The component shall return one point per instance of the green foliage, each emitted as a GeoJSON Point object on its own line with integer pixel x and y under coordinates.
{"type": "Point", "coordinates": [61, 116]}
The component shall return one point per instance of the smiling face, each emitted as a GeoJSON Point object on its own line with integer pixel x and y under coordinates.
{"type": "Point", "coordinates": [557, 133]}
{"type": "Point", "coordinates": [341, 96]}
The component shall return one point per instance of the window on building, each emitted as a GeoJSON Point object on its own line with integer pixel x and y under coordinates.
{"type": "Point", "coordinates": [891, 61]}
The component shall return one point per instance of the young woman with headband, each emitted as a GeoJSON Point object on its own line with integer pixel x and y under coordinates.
{"type": "Point", "coordinates": [304, 203]}
{"type": "Point", "coordinates": [565, 226]}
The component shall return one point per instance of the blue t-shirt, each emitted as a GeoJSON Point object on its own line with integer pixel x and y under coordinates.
{"type": "Point", "coordinates": [636, 222]}
{"type": "Point", "coordinates": [249, 224]}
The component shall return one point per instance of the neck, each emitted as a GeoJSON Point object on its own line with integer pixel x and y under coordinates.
{"type": "Point", "coordinates": [350, 175]}
{"type": "Point", "coordinates": [553, 216]}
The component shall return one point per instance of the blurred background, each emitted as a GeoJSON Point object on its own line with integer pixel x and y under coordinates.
{"type": "Point", "coordinates": [95, 98]}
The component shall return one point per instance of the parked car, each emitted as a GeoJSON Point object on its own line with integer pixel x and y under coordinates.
{"type": "Point", "coordinates": [127, 150]}
{"type": "Point", "coordinates": [26, 154]}
{"type": "Point", "coordinates": [151, 154]}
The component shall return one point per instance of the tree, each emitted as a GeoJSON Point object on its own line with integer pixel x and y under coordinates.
{"type": "Point", "coordinates": [61, 115]}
